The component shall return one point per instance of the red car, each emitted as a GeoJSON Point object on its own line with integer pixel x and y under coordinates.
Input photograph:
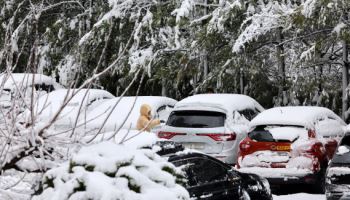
{"type": "Point", "coordinates": [291, 145]}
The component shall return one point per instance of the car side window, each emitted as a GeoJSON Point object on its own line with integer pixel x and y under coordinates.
{"type": "Point", "coordinates": [345, 141]}
{"type": "Point", "coordinates": [44, 87]}
{"type": "Point", "coordinates": [249, 114]}
{"type": "Point", "coordinates": [163, 112]}
{"type": "Point", "coordinates": [201, 170]}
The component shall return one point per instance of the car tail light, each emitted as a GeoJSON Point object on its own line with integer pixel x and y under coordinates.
{"type": "Point", "coordinates": [219, 136]}
{"type": "Point", "coordinates": [168, 135]}
{"type": "Point", "coordinates": [311, 133]}
{"type": "Point", "coordinates": [244, 146]}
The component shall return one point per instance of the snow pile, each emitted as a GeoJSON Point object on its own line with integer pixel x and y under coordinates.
{"type": "Point", "coordinates": [263, 159]}
{"type": "Point", "coordinates": [305, 116]}
{"type": "Point", "coordinates": [131, 138]}
{"type": "Point", "coordinates": [300, 196]}
{"type": "Point", "coordinates": [108, 171]}
{"type": "Point", "coordinates": [338, 171]}
{"type": "Point", "coordinates": [343, 150]}
{"type": "Point", "coordinates": [75, 105]}
{"type": "Point", "coordinates": [287, 173]}
{"type": "Point", "coordinates": [22, 80]}
{"type": "Point", "coordinates": [228, 102]}
{"type": "Point", "coordinates": [300, 162]}
{"type": "Point", "coordinates": [287, 133]}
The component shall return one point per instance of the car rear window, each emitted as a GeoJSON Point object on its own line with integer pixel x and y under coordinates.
{"type": "Point", "coordinates": [196, 119]}
{"type": "Point", "coordinates": [268, 133]}
{"type": "Point", "coordinates": [261, 135]}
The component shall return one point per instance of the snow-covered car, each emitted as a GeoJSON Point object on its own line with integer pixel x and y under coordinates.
{"type": "Point", "coordinates": [123, 113]}
{"type": "Point", "coordinates": [291, 145]}
{"type": "Point", "coordinates": [20, 86]}
{"type": "Point", "coordinates": [211, 123]}
{"type": "Point", "coordinates": [210, 179]}
{"type": "Point", "coordinates": [73, 105]}
{"type": "Point", "coordinates": [338, 172]}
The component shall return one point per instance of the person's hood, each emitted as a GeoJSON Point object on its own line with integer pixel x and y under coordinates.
{"type": "Point", "coordinates": [145, 108]}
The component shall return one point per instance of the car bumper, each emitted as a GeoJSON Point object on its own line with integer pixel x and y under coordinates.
{"type": "Point", "coordinates": [278, 176]}
{"type": "Point", "coordinates": [224, 157]}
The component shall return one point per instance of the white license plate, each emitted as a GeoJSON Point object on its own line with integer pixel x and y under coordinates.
{"type": "Point", "coordinates": [193, 145]}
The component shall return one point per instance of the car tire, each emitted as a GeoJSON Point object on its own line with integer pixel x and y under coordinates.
{"type": "Point", "coordinates": [245, 195]}
{"type": "Point", "coordinates": [320, 185]}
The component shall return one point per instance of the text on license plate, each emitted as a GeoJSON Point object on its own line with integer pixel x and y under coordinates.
{"type": "Point", "coordinates": [283, 148]}
{"type": "Point", "coordinates": [194, 145]}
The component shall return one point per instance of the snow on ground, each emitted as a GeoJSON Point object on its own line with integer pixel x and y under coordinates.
{"type": "Point", "coordinates": [300, 196]}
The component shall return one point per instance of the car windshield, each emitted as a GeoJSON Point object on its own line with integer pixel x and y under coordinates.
{"type": "Point", "coordinates": [196, 119]}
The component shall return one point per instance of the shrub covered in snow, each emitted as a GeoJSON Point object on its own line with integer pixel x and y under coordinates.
{"type": "Point", "coordinates": [109, 171]}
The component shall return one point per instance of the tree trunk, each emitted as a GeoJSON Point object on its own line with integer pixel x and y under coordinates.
{"type": "Point", "coordinates": [281, 64]}
{"type": "Point", "coordinates": [345, 81]}
{"type": "Point", "coordinates": [164, 87]}
{"type": "Point", "coordinates": [241, 80]}
{"type": "Point", "coordinates": [205, 53]}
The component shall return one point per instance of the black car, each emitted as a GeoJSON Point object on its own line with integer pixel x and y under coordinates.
{"type": "Point", "coordinates": [210, 179]}
{"type": "Point", "coordinates": [338, 172]}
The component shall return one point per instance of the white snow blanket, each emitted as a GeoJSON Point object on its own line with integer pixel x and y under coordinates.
{"type": "Point", "coordinates": [228, 102]}
{"type": "Point", "coordinates": [22, 80]}
{"type": "Point", "coordinates": [77, 103]}
{"type": "Point", "coordinates": [305, 116]}
{"type": "Point", "coordinates": [300, 196]}
{"type": "Point", "coordinates": [123, 112]}
{"type": "Point", "coordinates": [108, 171]}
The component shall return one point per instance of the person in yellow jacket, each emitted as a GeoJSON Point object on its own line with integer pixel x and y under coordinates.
{"type": "Point", "coordinates": [145, 121]}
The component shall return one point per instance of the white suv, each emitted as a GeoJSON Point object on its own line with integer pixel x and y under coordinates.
{"type": "Point", "coordinates": [211, 123]}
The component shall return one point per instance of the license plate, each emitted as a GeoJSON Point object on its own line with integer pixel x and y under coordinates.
{"type": "Point", "coordinates": [283, 148]}
{"type": "Point", "coordinates": [194, 145]}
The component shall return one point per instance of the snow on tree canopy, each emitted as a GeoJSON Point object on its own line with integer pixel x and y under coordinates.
{"type": "Point", "coordinates": [305, 116]}
{"type": "Point", "coordinates": [228, 102]}
{"type": "Point", "coordinates": [107, 171]}
{"type": "Point", "coordinates": [24, 80]}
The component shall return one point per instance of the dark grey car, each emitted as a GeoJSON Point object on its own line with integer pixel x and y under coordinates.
{"type": "Point", "coordinates": [338, 172]}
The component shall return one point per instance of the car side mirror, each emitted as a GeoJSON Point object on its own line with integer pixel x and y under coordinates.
{"type": "Point", "coordinates": [233, 176]}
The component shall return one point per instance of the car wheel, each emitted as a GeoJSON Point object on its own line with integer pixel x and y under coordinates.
{"type": "Point", "coordinates": [320, 185]}
{"type": "Point", "coordinates": [245, 195]}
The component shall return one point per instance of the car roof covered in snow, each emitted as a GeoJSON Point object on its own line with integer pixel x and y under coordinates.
{"type": "Point", "coordinates": [25, 79]}
{"type": "Point", "coordinates": [305, 116]}
{"type": "Point", "coordinates": [228, 102]}
{"type": "Point", "coordinates": [52, 102]}
{"type": "Point", "coordinates": [125, 110]}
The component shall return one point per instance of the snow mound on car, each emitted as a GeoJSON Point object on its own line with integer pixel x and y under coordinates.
{"type": "Point", "coordinates": [343, 150]}
{"type": "Point", "coordinates": [229, 102]}
{"type": "Point", "coordinates": [109, 171]}
{"type": "Point", "coordinates": [74, 102]}
{"type": "Point", "coordinates": [298, 115]}
{"type": "Point", "coordinates": [131, 138]}
{"type": "Point", "coordinates": [121, 112]}
{"type": "Point", "coordinates": [23, 80]}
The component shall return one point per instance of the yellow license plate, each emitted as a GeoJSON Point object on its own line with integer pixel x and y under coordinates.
{"type": "Point", "coordinates": [283, 148]}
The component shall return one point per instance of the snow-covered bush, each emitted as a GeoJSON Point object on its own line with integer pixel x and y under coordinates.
{"type": "Point", "coordinates": [113, 171]}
